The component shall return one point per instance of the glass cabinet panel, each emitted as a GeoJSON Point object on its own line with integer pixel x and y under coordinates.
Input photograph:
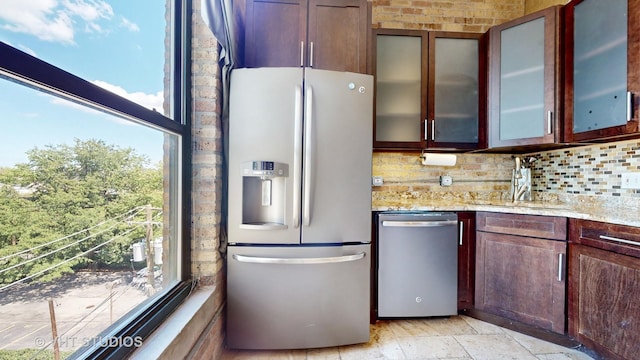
{"type": "Point", "coordinates": [398, 92]}
{"type": "Point", "coordinates": [522, 81]}
{"type": "Point", "coordinates": [456, 90]}
{"type": "Point", "coordinates": [599, 65]}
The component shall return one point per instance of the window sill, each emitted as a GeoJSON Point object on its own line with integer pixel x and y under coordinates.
{"type": "Point", "coordinates": [176, 337]}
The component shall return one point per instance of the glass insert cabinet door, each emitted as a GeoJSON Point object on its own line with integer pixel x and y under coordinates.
{"type": "Point", "coordinates": [399, 88]}
{"type": "Point", "coordinates": [454, 99]}
{"type": "Point", "coordinates": [427, 89]}
{"type": "Point", "coordinates": [599, 65]}
{"type": "Point", "coordinates": [523, 81]}
{"type": "Point", "coordinates": [602, 68]}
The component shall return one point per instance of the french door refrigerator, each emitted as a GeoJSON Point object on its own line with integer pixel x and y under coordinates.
{"type": "Point", "coordinates": [299, 209]}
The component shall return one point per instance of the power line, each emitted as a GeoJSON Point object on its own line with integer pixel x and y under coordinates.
{"type": "Point", "coordinates": [139, 208]}
{"type": "Point", "coordinates": [67, 260]}
{"type": "Point", "coordinates": [59, 249]}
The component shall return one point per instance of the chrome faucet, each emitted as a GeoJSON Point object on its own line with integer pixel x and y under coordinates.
{"type": "Point", "coordinates": [521, 179]}
{"type": "Point", "coordinates": [518, 174]}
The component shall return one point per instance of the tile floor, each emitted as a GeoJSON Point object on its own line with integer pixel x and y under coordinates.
{"type": "Point", "coordinates": [458, 337]}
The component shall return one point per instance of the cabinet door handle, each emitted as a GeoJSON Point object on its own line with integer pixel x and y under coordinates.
{"type": "Point", "coordinates": [549, 122]}
{"type": "Point", "coordinates": [605, 237]}
{"type": "Point", "coordinates": [461, 232]}
{"type": "Point", "coordinates": [301, 53]}
{"type": "Point", "coordinates": [629, 105]}
{"type": "Point", "coordinates": [426, 129]}
{"type": "Point", "coordinates": [433, 130]}
{"type": "Point", "coordinates": [560, 258]}
{"type": "Point", "coordinates": [311, 55]}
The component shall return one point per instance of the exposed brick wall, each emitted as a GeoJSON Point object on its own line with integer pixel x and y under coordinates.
{"type": "Point", "coordinates": [207, 265]}
{"type": "Point", "coordinates": [535, 5]}
{"type": "Point", "coordinates": [445, 15]}
{"type": "Point", "coordinates": [206, 153]}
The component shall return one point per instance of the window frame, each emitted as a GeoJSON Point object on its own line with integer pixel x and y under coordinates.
{"type": "Point", "coordinates": [27, 70]}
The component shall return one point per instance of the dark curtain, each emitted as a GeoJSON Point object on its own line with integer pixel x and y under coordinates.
{"type": "Point", "coordinates": [218, 15]}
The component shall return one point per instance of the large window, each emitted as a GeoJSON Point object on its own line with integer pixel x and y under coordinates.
{"type": "Point", "coordinates": [91, 178]}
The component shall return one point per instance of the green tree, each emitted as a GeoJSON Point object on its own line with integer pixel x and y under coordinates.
{"type": "Point", "coordinates": [89, 185]}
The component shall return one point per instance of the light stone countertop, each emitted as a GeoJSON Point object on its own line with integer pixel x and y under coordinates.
{"type": "Point", "coordinates": [618, 211]}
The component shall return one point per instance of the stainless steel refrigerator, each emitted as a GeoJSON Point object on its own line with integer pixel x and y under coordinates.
{"type": "Point", "coordinates": [299, 208]}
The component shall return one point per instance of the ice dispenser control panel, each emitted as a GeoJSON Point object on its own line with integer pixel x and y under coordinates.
{"type": "Point", "coordinates": [264, 168]}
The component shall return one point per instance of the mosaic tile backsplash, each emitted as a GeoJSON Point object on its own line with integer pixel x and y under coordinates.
{"type": "Point", "coordinates": [592, 171]}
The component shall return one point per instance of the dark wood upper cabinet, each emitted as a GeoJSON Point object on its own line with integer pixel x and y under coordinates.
{"type": "Point", "coordinates": [524, 105]}
{"type": "Point", "coordinates": [429, 89]}
{"type": "Point", "coordinates": [338, 35]}
{"type": "Point", "coordinates": [401, 88]}
{"type": "Point", "coordinates": [602, 69]}
{"type": "Point", "coordinates": [456, 90]}
{"type": "Point", "coordinates": [323, 34]}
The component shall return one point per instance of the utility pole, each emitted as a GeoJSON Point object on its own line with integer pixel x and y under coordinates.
{"type": "Point", "coordinates": [149, 251]}
{"type": "Point", "coordinates": [54, 331]}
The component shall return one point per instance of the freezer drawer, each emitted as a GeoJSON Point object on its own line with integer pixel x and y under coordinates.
{"type": "Point", "coordinates": [417, 264]}
{"type": "Point", "coordinates": [297, 297]}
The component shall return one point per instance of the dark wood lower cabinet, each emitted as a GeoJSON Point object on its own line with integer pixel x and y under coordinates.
{"type": "Point", "coordinates": [466, 259]}
{"type": "Point", "coordinates": [522, 278]}
{"type": "Point", "coordinates": [604, 288]}
{"type": "Point", "coordinates": [519, 278]}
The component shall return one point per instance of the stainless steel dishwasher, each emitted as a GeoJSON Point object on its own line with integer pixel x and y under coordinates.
{"type": "Point", "coordinates": [417, 264]}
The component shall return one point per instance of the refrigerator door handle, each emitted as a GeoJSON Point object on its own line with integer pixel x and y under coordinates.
{"type": "Point", "coordinates": [308, 156]}
{"type": "Point", "coordinates": [298, 261]}
{"type": "Point", "coordinates": [297, 156]}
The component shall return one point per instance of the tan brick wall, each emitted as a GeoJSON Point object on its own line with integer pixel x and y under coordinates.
{"type": "Point", "coordinates": [535, 5]}
{"type": "Point", "coordinates": [481, 175]}
{"type": "Point", "coordinates": [206, 153]}
{"type": "Point", "coordinates": [445, 15]}
{"type": "Point", "coordinates": [207, 265]}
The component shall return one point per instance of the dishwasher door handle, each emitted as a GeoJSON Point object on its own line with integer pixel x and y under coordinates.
{"type": "Point", "coordinates": [390, 223]}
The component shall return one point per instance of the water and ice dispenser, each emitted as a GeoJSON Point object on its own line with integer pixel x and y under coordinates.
{"type": "Point", "coordinates": [264, 195]}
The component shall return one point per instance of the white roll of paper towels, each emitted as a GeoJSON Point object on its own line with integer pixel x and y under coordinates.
{"type": "Point", "coordinates": [439, 159]}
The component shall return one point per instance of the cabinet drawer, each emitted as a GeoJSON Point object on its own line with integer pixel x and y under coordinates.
{"type": "Point", "coordinates": [547, 227]}
{"type": "Point", "coordinates": [620, 239]}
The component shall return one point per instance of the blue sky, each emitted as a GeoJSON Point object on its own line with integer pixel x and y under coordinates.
{"type": "Point", "coordinates": [116, 44]}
